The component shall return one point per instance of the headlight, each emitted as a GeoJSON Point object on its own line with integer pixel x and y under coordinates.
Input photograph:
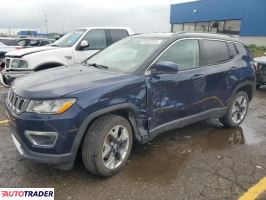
{"type": "Point", "coordinates": [23, 64]}
{"type": "Point", "coordinates": [50, 106]}
{"type": "Point", "coordinates": [17, 63]}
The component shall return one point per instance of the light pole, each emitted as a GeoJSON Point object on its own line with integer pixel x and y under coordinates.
{"type": "Point", "coordinates": [63, 28]}
{"type": "Point", "coordinates": [46, 24]}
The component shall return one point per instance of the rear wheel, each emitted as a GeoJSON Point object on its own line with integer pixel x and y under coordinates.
{"type": "Point", "coordinates": [107, 145]}
{"type": "Point", "coordinates": [237, 110]}
{"type": "Point", "coordinates": [258, 86]}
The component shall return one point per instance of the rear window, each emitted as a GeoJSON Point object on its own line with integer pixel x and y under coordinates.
{"type": "Point", "coordinates": [241, 49]}
{"type": "Point", "coordinates": [118, 34]}
{"type": "Point", "coordinates": [9, 42]}
{"type": "Point", "coordinates": [214, 52]}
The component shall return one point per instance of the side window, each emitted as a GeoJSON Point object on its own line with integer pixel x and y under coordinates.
{"type": "Point", "coordinates": [118, 34]}
{"type": "Point", "coordinates": [214, 52]}
{"type": "Point", "coordinates": [241, 49]}
{"type": "Point", "coordinates": [96, 39]}
{"type": "Point", "coordinates": [184, 53]}
{"type": "Point", "coordinates": [44, 42]}
{"type": "Point", "coordinates": [232, 49]}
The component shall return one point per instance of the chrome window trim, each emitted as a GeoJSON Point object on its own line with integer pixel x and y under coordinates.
{"type": "Point", "coordinates": [147, 71]}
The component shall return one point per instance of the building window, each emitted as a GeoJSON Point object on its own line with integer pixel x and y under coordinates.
{"type": "Point", "coordinates": [202, 26]}
{"type": "Point", "coordinates": [189, 27]}
{"type": "Point", "coordinates": [177, 28]}
{"type": "Point", "coordinates": [232, 27]}
{"type": "Point", "coordinates": [216, 26]}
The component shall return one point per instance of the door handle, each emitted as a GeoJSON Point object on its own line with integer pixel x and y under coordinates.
{"type": "Point", "coordinates": [233, 68]}
{"type": "Point", "coordinates": [197, 76]}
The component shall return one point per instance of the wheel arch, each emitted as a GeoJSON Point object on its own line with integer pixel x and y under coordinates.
{"type": "Point", "coordinates": [249, 88]}
{"type": "Point", "coordinates": [127, 110]}
{"type": "Point", "coordinates": [48, 65]}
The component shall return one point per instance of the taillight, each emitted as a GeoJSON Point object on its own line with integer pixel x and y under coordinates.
{"type": "Point", "coordinates": [258, 67]}
{"type": "Point", "coordinates": [255, 65]}
{"type": "Point", "coordinates": [18, 48]}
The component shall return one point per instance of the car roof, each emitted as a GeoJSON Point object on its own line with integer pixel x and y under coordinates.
{"type": "Point", "coordinates": [129, 30]}
{"type": "Point", "coordinates": [9, 38]}
{"type": "Point", "coordinates": [180, 35]}
{"type": "Point", "coordinates": [33, 38]}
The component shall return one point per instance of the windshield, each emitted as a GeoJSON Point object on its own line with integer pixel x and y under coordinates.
{"type": "Point", "coordinates": [69, 39]}
{"type": "Point", "coordinates": [126, 55]}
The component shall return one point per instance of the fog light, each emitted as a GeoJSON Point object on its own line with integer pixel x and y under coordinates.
{"type": "Point", "coordinates": [42, 139]}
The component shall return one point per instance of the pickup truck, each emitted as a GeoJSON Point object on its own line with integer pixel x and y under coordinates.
{"type": "Point", "coordinates": [74, 47]}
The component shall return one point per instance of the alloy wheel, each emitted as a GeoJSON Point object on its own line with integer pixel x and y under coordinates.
{"type": "Point", "coordinates": [115, 147]}
{"type": "Point", "coordinates": [239, 109]}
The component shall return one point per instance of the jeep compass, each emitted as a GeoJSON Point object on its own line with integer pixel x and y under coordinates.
{"type": "Point", "coordinates": [131, 91]}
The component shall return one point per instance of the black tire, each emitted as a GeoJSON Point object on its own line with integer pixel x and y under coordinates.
{"type": "Point", "coordinates": [227, 120]}
{"type": "Point", "coordinates": [258, 86]}
{"type": "Point", "coordinates": [93, 144]}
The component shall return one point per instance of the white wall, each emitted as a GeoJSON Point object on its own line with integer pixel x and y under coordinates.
{"type": "Point", "coordinates": [258, 41]}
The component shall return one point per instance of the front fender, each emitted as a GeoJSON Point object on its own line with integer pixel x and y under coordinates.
{"type": "Point", "coordinates": [139, 131]}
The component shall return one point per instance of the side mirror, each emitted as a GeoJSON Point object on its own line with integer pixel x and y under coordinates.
{"type": "Point", "coordinates": [84, 44]}
{"type": "Point", "coordinates": [164, 67]}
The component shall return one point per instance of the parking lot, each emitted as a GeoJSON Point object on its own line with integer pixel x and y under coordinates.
{"type": "Point", "coordinates": [201, 161]}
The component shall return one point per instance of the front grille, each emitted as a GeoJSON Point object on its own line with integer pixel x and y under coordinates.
{"type": "Point", "coordinates": [16, 103]}
{"type": "Point", "coordinates": [7, 63]}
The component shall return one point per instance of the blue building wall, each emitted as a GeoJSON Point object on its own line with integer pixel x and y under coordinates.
{"type": "Point", "coordinates": [251, 12]}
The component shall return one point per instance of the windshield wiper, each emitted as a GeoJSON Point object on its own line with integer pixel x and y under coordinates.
{"type": "Point", "coordinates": [97, 65]}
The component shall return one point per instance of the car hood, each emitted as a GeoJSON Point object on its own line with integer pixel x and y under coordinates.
{"type": "Point", "coordinates": [22, 52]}
{"type": "Point", "coordinates": [261, 60]}
{"type": "Point", "coordinates": [57, 82]}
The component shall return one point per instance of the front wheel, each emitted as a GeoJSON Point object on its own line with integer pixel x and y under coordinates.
{"type": "Point", "coordinates": [107, 145]}
{"type": "Point", "coordinates": [237, 110]}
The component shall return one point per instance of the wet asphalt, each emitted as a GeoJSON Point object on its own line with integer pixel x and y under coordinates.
{"type": "Point", "coordinates": [199, 162]}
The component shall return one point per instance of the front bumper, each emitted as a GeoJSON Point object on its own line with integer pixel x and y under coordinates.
{"type": "Point", "coordinates": [7, 77]}
{"type": "Point", "coordinates": [63, 154]}
{"type": "Point", "coordinates": [63, 161]}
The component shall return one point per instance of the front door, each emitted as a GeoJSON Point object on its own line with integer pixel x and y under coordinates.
{"type": "Point", "coordinates": [97, 41]}
{"type": "Point", "coordinates": [172, 97]}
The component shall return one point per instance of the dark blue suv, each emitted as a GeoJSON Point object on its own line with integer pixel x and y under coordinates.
{"type": "Point", "coordinates": [131, 91]}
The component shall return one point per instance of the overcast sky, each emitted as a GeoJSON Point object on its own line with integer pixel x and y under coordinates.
{"type": "Point", "coordinates": [64, 15]}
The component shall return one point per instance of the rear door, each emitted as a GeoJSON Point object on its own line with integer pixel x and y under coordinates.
{"type": "Point", "coordinates": [115, 35]}
{"type": "Point", "coordinates": [221, 63]}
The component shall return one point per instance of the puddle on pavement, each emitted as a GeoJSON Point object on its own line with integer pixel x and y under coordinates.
{"type": "Point", "coordinates": [160, 160]}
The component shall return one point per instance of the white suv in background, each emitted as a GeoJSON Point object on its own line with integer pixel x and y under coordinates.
{"type": "Point", "coordinates": [73, 47]}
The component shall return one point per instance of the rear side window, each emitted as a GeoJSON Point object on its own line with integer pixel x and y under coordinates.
{"type": "Point", "coordinates": [241, 49]}
{"type": "Point", "coordinates": [214, 52]}
{"type": "Point", "coordinates": [232, 49]}
{"type": "Point", "coordinates": [44, 42]}
{"type": "Point", "coordinates": [118, 34]}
